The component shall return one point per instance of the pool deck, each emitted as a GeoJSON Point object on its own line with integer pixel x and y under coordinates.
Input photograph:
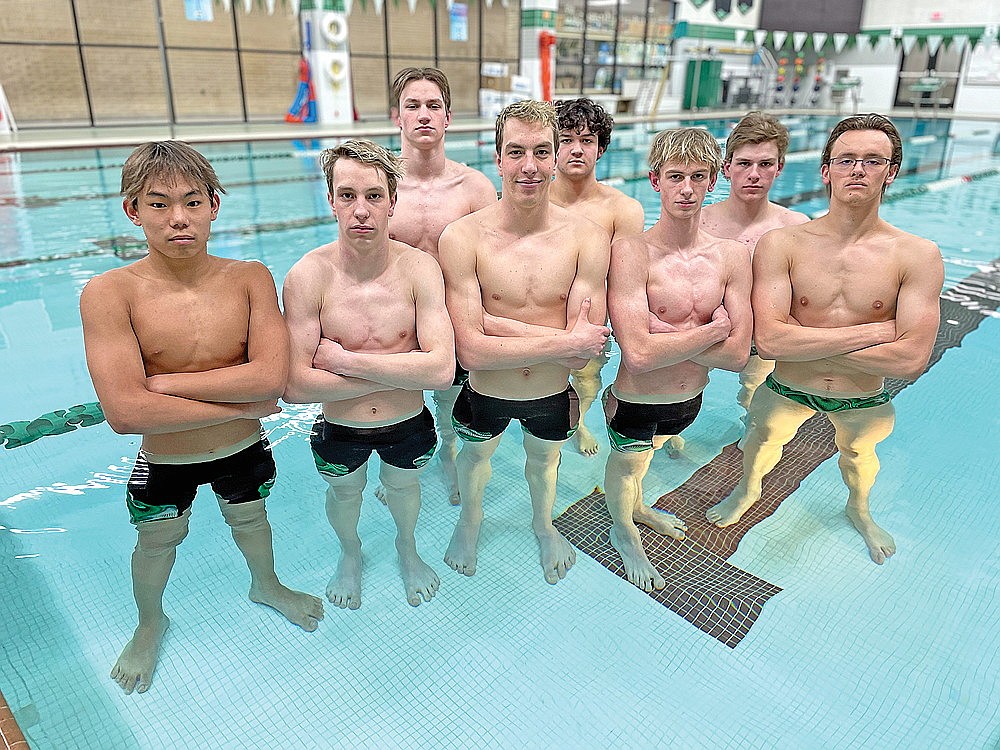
{"type": "Point", "coordinates": [51, 138]}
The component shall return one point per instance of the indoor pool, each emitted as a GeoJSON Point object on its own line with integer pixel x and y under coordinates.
{"type": "Point", "coordinates": [778, 632]}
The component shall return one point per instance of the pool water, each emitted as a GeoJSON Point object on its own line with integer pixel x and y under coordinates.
{"type": "Point", "coordinates": [839, 653]}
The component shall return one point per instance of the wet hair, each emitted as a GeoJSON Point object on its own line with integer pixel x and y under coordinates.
{"type": "Point", "coordinates": [757, 127]}
{"type": "Point", "coordinates": [578, 114]}
{"type": "Point", "coordinates": [871, 121]}
{"type": "Point", "coordinates": [685, 145]}
{"type": "Point", "coordinates": [529, 111]}
{"type": "Point", "coordinates": [167, 160]}
{"type": "Point", "coordinates": [365, 152]}
{"type": "Point", "coordinates": [409, 75]}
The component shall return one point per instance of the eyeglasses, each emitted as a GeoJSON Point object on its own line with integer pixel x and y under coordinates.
{"type": "Point", "coordinates": [845, 164]}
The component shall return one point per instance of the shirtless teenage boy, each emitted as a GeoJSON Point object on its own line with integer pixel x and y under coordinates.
{"type": "Point", "coordinates": [841, 302]}
{"type": "Point", "coordinates": [369, 332]}
{"type": "Point", "coordinates": [433, 193]}
{"type": "Point", "coordinates": [679, 300]}
{"type": "Point", "coordinates": [584, 136]}
{"type": "Point", "coordinates": [755, 156]}
{"type": "Point", "coordinates": [525, 288]}
{"type": "Point", "coordinates": [189, 351]}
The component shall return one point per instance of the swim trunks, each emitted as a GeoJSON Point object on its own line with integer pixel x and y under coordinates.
{"type": "Point", "coordinates": [165, 490]}
{"type": "Point", "coordinates": [340, 449]}
{"type": "Point", "coordinates": [633, 426]}
{"type": "Point", "coordinates": [826, 403]}
{"type": "Point", "coordinates": [478, 418]}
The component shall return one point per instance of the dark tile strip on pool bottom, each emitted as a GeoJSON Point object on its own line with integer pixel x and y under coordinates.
{"type": "Point", "coordinates": [702, 587]}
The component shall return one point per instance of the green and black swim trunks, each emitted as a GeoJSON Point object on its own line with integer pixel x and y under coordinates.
{"type": "Point", "coordinates": [827, 403]}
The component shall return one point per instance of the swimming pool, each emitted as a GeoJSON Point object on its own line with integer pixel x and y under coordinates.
{"type": "Point", "coordinates": [780, 634]}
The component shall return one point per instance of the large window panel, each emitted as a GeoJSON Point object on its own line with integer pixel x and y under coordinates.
{"type": "Point", "coordinates": [180, 32]}
{"type": "Point", "coordinates": [43, 83]}
{"type": "Point", "coordinates": [502, 27]}
{"type": "Point", "coordinates": [259, 31]}
{"type": "Point", "coordinates": [271, 80]}
{"type": "Point", "coordinates": [112, 97]}
{"type": "Point", "coordinates": [37, 21]}
{"type": "Point", "coordinates": [449, 24]}
{"type": "Point", "coordinates": [463, 78]}
{"type": "Point", "coordinates": [206, 86]}
{"type": "Point", "coordinates": [366, 31]}
{"type": "Point", "coordinates": [131, 22]}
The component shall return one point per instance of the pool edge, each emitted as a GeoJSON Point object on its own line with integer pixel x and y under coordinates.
{"type": "Point", "coordinates": [11, 736]}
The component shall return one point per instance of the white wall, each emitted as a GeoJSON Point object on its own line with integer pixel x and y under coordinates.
{"type": "Point", "coordinates": [882, 14]}
{"type": "Point", "coordinates": [706, 15]}
{"type": "Point", "coordinates": [878, 71]}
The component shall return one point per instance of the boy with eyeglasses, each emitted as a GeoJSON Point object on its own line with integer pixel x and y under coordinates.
{"type": "Point", "coordinates": [841, 302]}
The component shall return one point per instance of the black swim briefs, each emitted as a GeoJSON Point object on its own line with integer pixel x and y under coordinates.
{"type": "Point", "coordinates": [339, 449]}
{"type": "Point", "coordinates": [478, 418]}
{"type": "Point", "coordinates": [633, 426]}
{"type": "Point", "coordinates": [158, 491]}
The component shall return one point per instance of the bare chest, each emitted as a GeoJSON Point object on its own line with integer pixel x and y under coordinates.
{"type": "Point", "coordinates": [844, 290]}
{"type": "Point", "coordinates": [685, 292]}
{"type": "Point", "coordinates": [372, 317]}
{"type": "Point", "coordinates": [535, 274]}
{"type": "Point", "coordinates": [421, 215]}
{"type": "Point", "coordinates": [190, 331]}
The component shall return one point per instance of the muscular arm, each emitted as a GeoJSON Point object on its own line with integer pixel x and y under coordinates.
{"type": "Point", "coordinates": [630, 219]}
{"type": "Point", "coordinates": [116, 367]}
{"type": "Point", "coordinates": [733, 352]}
{"type": "Point", "coordinates": [643, 351]}
{"type": "Point", "coordinates": [432, 366]}
{"type": "Point", "coordinates": [775, 336]}
{"type": "Point", "coordinates": [308, 384]}
{"type": "Point", "coordinates": [476, 349]}
{"type": "Point", "coordinates": [264, 373]}
{"type": "Point", "coordinates": [918, 313]}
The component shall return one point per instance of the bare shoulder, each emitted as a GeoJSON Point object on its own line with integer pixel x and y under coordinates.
{"type": "Point", "coordinates": [470, 176]}
{"type": "Point", "coordinates": [250, 271]}
{"type": "Point", "coordinates": [617, 198]}
{"type": "Point", "coordinates": [313, 266]}
{"type": "Point", "coordinates": [413, 261]}
{"type": "Point", "coordinates": [108, 287]}
{"type": "Point", "coordinates": [788, 218]}
{"type": "Point", "coordinates": [915, 249]}
{"type": "Point", "coordinates": [578, 227]}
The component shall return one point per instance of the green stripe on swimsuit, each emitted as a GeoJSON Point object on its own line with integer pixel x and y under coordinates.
{"type": "Point", "coordinates": [826, 403]}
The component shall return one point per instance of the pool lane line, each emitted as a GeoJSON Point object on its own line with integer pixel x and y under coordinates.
{"type": "Point", "coordinates": [58, 422]}
{"type": "Point", "coordinates": [702, 586]}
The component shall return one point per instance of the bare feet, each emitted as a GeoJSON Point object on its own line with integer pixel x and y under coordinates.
{"type": "Point", "coordinates": [305, 610]}
{"type": "Point", "coordinates": [419, 579]}
{"type": "Point", "coordinates": [674, 446]}
{"type": "Point", "coordinates": [660, 521]}
{"type": "Point", "coordinates": [880, 543]}
{"type": "Point", "coordinates": [585, 441]}
{"type": "Point", "coordinates": [639, 571]}
{"type": "Point", "coordinates": [730, 510]}
{"type": "Point", "coordinates": [134, 668]}
{"type": "Point", "coordinates": [461, 554]}
{"type": "Point", "coordinates": [556, 554]}
{"type": "Point", "coordinates": [344, 588]}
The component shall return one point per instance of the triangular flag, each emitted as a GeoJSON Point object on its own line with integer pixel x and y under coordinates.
{"type": "Point", "coordinates": [741, 35]}
{"type": "Point", "coordinates": [226, 4]}
{"type": "Point", "coordinates": [798, 39]}
{"type": "Point", "coordinates": [882, 43]}
{"type": "Point", "coordinates": [295, 6]}
{"type": "Point", "coordinates": [933, 42]}
{"type": "Point", "coordinates": [819, 39]}
{"type": "Point", "coordinates": [450, 3]}
{"type": "Point", "coordinates": [759, 37]}
{"type": "Point", "coordinates": [412, 4]}
{"type": "Point", "coordinates": [270, 7]}
{"type": "Point", "coordinates": [908, 42]}
{"type": "Point", "coordinates": [349, 4]}
{"type": "Point", "coordinates": [840, 41]}
{"type": "Point", "coordinates": [778, 38]}
{"type": "Point", "coordinates": [489, 3]}
{"type": "Point", "coordinates": [247, 4]}
{"type": "Point", "coordinates": [959, 41]}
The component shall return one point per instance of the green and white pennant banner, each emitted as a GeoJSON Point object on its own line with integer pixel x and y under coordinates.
{"type": "Point", "coordinates": [778, 39]}
{"type": "Point", "coordinates": [840, 41]}
{"type": "Point", "coordinates": [759, 37]}
{"type": "Point", "coordinates": [798, 39]}
{"type": "Point", "coordinates": [819, 40]}
{"type": "Point", "coordinates": [933, 42]}
{"type": "Point", "coordinates": [909, 40]}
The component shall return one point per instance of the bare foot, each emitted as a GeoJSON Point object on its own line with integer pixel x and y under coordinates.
{"type": "Point", "coordinates": [660, 521]}
{"type": "Point", "coordinates": [344, 588]}
{"type": "Point", "coordinates": [461, 554]}
{"type": "Point", "coordinates": [556, 554]}
{"type": "Point", "coordinates": [730, 510]}
{"type": "Point", "coordinates": [584, 441]}
{"type": "Point", "coordinates": [134, 668]}
{"type": "Point", "coordinates": [304, 610]}
{"type": "Point", "coordinates": [419, 579]}
{"type": "Point", "coordinates": [638, 569]}
{"type": "Point", "coordinates": [880, 543]}
{"type": "Point", "coordinates": [674, 446]}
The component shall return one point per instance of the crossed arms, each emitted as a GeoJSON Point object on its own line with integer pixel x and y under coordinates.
{"type": "Point", "coordinates": [173, 402]}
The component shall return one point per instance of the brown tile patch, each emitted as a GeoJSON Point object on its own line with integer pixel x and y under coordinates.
{"type": "Point", "coordinates": [10, 733]}
{"type": "Point", "coordinates": [702, 587]}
